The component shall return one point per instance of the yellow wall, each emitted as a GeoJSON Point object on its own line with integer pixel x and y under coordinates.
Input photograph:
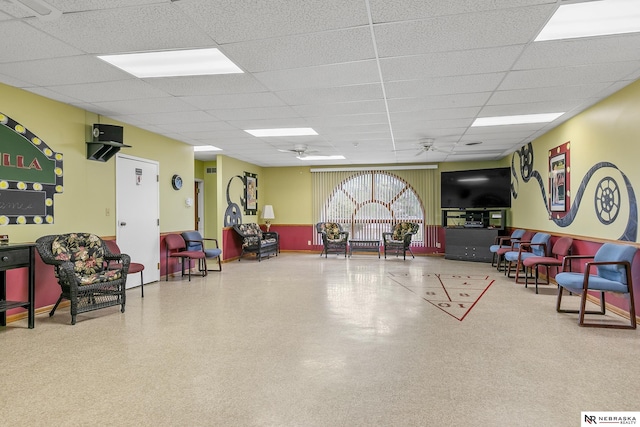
{"type": "Point", "coordinates": [89, 186]}
{"type": "Point", "coordinates": [289, 191]}
{"type": "Point", "coordinates": [606, 132]}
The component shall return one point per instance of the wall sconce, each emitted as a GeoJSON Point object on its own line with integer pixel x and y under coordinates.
{"type": "Point", "coordinates": [267, 215]}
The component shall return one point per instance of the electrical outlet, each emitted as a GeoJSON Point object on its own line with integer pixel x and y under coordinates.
{"type": "Point", "coordinates": [308, 242]}
{"type": "Point", "coordinates": [438, 245]}
{"type": "Point", "coordinates": [107, 212]}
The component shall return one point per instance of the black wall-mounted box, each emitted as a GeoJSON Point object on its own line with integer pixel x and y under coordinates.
{"type": "Point", "coordinates": [107, 141]}
{"type": "Point", "coordinates": [107, 133]}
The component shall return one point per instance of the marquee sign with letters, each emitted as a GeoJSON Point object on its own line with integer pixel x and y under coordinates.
{"type": "Point", "coordinates": [30, 175]}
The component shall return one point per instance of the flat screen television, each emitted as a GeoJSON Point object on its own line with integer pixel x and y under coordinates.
{"type": "Point", "coordinates": [480, 189]}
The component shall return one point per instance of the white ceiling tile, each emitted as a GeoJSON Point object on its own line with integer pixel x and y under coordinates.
{"type": "Point", "coordinates": [386, 11]}
{"type": "Point", "coordinates": [461, 32]}
{"type": "Point", "coordinates": [546, 94]}
{"type": "Point", "coordinates": [229, 21]}
{"type": "Point", "coordinates": [321, 76]}
{"type": "Point", "coordinates": [84, 5]}
{"type": "Point", "coordinates": [351, 120]}
{"type": "Point", "coordinates": [435, 114]}
{"type": "Point", "coordinates": [549, 77]}
{"type": "Point", "coordinates": [341, 108]}
{"type": "Point", "coordinates": [174, 117]}
{"type": "Point", "coordinates": [222, 84]}
{"type": "Point", "coordinates": [109, 90]}
{"type": "Point", "coordinates": [255, 113]}
{"type": "Point", "coordinates": [412, 103]}
{"type": "Point", "coordinates": [476, 61]}
{"type": "Point", "coordinates": [312, 63]}
{"type": "Point", "coordinates": [589, 50]}
{"type": "Point", "coordinates": [23, 42]}
{"type": "Point", "coordinates": [127, 29]}
{"type": "Point", "coordinates": [64, 71]}
{"type": "Point", "coordinates": [444, 85]}
{"type": "Point", "coordinates": [146, 105]}
{"type": "Point", "coordinates": [11, 81]}
{"type": "Point", "coordinates": [43, 91]}
{"type": "Point", "coordinates": [364, 92]}
{"type": "Point", "coordinates": [239, 100]}
{"type": "Point", "coordinates": [525, 107]}
{"type": "Point", "coordinates": [194, 128]}
{"type": "Point", "coordinates": [304, 50]}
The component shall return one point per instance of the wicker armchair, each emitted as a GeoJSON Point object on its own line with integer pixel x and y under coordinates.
{"type": "Point", "coordinates": [255, 241]}
{"type": "Point", "coordinates": [334, 238]}
{"type": "Point", "coordinates": [399, 240]}
{"type": "Point", "coordinates": [80, 263]}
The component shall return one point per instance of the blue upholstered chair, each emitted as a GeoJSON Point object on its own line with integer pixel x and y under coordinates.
{"type": "Point", "coordinates": [538, 247]}
{"type": "Point", "coordinates": [612, 274]}
{"type": "Point", "coordinates": [195, 242]}
{"type": "Point", "coordinates": [505, 242]}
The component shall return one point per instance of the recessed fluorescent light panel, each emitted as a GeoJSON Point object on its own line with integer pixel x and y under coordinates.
{"type": "Point", "coordinates": [321, 157]}
{"type": "Point", "coordinates": [593, 18]}
{"type": "Point", "coordinates": [263, 133]}
{"type": "Point", "coordinates": [200, 148]}
{"type": "Point", "coordinates": [516, 120]}
{"type": "Point", "coordinates": [39, 8]}
{"type": "Point", "coordinates": [173, 63]}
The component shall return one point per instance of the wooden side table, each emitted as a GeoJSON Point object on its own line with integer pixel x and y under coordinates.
{"type": "Point", "coordinates": [17, 256]}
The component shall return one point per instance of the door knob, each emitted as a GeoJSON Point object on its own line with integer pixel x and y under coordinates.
{"type": "Point", "coordinates": [123, 223]}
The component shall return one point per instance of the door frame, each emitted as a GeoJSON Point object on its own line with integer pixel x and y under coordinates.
{"type": "Point", "coordinates": [149, 276]}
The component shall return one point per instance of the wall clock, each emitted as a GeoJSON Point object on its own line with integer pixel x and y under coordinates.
{"type": "Point", "coordinates": [176, 182]}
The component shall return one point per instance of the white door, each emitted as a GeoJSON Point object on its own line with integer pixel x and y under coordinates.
{"type": "Point", "coordinates": [137, 215]}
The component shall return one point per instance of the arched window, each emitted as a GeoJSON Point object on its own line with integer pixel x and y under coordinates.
{"type": "Point", "coordinates": [368, 203]}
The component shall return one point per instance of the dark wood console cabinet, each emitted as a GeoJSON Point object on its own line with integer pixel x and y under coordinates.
{"type": "Point", "coordinates": [470, 232]}
{"type": "Point", "coordinates": [17, 256]}
{"type": "Point", "coordinates": [469, 244]}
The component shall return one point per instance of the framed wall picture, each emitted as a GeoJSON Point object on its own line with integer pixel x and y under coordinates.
{"type": "Point", "coordinates": [250, 193]}
{"type": "Point", "coordinates": [558, 183]}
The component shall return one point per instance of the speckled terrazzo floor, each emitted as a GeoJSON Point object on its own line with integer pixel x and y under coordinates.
{"type": "Point", "coordinates": [300, 340]}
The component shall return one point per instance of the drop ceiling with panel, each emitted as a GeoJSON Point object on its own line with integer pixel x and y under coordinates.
{"type": "Point", "coordinates": [374, 78]}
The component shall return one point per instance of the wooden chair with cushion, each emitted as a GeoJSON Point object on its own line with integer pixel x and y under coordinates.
{"type": "Point", "coordinates": [560, 249]}
{"type": "Point", "coordinates": [80, 264]}
{"type": "Point", "coordinates": [177, 248]}
{"type": "Point", "coordinates": [134, 267]}
{"type": "Point", "coordinates": [195, 242]}
{"type": "Point", "coordinates": [537, 247]}
{"type": "Point", "coordinates": [515, 245]}
{"type": "Point", "coordinates": [612, 273]}
{"type": "Point", "coordinates": [505, 242]}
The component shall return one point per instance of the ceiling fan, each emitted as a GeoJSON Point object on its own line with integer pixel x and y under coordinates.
{"type": "Point", "coordinates": [300, 150]}
{"type": "Point", "coordinates": [426, 145]}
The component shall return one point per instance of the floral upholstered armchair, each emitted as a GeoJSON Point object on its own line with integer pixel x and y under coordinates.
{"type": "Point", "coordinates": [399, 239]}
{"type": "Point", "coordinates": [81, 265]}
{"type": "Point", "coordinates": [334, 238]}
{"type": "Point", "coordinates": [255, 241]}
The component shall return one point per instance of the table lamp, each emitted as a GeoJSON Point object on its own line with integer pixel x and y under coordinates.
{"type": "Point", "coordinates": [267, 215]}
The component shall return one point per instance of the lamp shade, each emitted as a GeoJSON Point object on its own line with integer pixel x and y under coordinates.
{"type": "Point", "coordinates": [267, 212]}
